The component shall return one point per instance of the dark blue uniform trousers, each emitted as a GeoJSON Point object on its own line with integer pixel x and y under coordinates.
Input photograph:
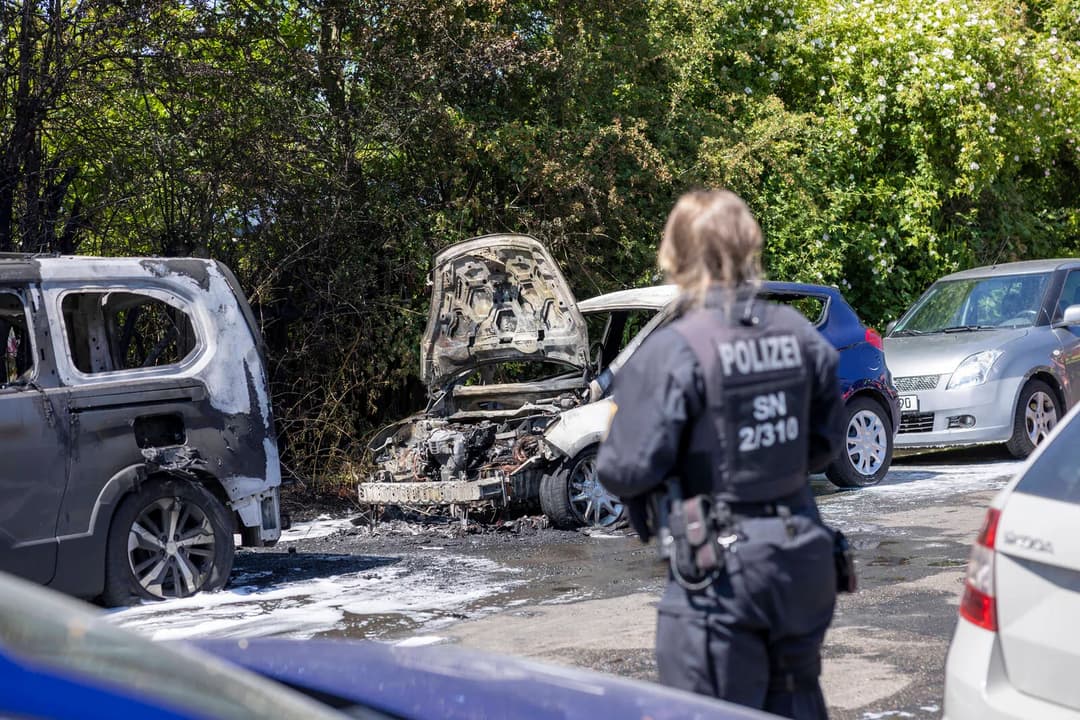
{"type": "Point", "coordinates": [754, 636]}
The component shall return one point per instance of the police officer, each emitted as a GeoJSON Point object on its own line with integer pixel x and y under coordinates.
{"type": "Point", "coordinates": [730, 407]}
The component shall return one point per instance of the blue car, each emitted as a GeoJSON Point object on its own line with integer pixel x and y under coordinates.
{"type": "Point", "coordinates": [59, 659]}
{"type": "Point", "coordinates": [622, 320]}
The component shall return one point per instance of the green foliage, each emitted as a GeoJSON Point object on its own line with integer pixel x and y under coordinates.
{"type": "Point", "coordinates": [327, 149]}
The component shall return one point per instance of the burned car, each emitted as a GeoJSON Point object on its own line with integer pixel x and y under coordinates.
{"type": "Point", "coordinates": [506, 360]}
{"type": "Point", "coordinates": [494, 434]}
{"type": "Point", "coordinates": [135, 425]}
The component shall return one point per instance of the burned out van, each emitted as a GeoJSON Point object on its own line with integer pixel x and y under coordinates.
{"type": "Point", "coordinates": [135, 426]}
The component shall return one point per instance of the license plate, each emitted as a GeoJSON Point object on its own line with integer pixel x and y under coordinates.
{"type": "Point", "coordinates": [909, 403]}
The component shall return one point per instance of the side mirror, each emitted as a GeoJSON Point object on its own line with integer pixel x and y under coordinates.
{"type": "Point", "coordinates": [1070, 318]}
{"type": "Point", "coordinates": [889, 327]}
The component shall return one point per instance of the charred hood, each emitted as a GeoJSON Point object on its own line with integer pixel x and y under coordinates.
{"type": "Point", "coordinates": [499, 298]}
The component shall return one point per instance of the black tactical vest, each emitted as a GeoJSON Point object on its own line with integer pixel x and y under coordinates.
{"type": "Point", "coordinates": [750, 443]}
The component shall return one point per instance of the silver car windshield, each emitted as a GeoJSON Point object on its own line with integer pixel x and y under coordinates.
{"type": "Point", "coordinates": [976, 304]}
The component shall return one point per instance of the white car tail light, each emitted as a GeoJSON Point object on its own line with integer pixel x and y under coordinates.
{"type": "Point", "coordinates": [978, 605]}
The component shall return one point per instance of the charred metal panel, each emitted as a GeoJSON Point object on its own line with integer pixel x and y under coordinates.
{"type": "Point", "coordinates": [33, 440]}
{"type": "Point", "coordinates": [85, 427]}
{"type": "Point", "coordinates": [192, 268]}
{"type": "Point", "coordinates": [499, 298]}
{"type": "Point", "coordinates": [159, 430]}
{"type": "Point", "coordinates": [421, 493]}
{"type": "Point", "coordinates": [238, 442]}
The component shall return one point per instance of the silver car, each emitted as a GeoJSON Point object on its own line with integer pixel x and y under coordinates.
{"type": "Point", "coordinates": [989, 355]}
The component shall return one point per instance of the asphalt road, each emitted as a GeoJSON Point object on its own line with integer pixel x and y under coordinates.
{"type": "Point", "coordinates": [586, 600]}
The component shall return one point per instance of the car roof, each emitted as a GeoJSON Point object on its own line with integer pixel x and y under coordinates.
{"type": "Point", "coordinates": [646, 298]}
{"type": "Point", "coordinates": [1024, 267]}
{"type": "Point", "coordinates": [657, 296]}
{"type": "Point", "coordinates": [75, 268]}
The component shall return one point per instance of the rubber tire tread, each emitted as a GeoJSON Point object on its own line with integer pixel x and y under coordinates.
{"type": "Point", "coordinates": [121, 586]}
{"type": "Point", "coordinates": [555, 493]}
{"type": "Point", "coordinates": [1019, 445]}
{"type": "Point", "coordinates": [841, 472]}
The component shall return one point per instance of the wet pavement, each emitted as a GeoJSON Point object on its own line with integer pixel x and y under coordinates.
{"type": "Point", "coordinates": [588, 599]}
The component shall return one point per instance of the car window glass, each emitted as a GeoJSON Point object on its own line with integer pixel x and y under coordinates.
{"type": "Point", "coordinates": [618, 328]}
{"type": "Point", "coordinates": [812, 307]}
{"type": "Point", "coordinates": [1070, 292]}
{"type": "Point", "coordinates": [17, 359]}
{"type": "Point", "coordinates": [1055, 474]}
{"type": "Point", "coordinates": [110, 331]}
{"type": "Point", "coordinates": [1002, 301]}
{"type": "Point", "coordinates": [597, 324]}
{"type": "Point", "coordinates": [635, 321]}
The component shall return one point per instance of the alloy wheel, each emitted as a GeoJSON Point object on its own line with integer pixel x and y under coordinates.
{"type": "Point", "coordinates": [1040, 417]}
{"type": "Point", "coordinates": [867, 442]}
{"type": "Point", "coordinates": [171, 548]}
{"type": "Point", "coordinates": [590, 501]}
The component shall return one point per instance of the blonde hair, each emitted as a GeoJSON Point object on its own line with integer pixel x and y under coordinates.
{"type": "Point", "coordinates": [710, 238]}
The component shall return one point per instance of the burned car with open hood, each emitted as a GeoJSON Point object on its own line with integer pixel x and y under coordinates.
{"type": "Point", "coordinates": [520, 397]}
{"type": "Point", "coordinates": [507, 362]}
{"type": "Point", "coordinates": [135, 426]}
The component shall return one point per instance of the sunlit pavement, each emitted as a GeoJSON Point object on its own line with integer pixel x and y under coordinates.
{"type": "Point", "coordinates": [571, 598]}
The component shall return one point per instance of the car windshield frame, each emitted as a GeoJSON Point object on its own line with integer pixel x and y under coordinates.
{"type": "Point", "coordinates": [971, 303]}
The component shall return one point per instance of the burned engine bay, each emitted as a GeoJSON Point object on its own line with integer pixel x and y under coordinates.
{"type": "Point", "coordinates": [489, 452]}
{"type": "Point", "coordinates": [505, 353]}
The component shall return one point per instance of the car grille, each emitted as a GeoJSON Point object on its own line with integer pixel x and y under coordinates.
{"type": "Point", "coordinates": [915, 383]}
{"type": "Point", "coordinates": [916, 422]}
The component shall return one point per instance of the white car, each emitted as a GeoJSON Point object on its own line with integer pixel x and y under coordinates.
{"type": "Point", "coordinates": [1016, 650]}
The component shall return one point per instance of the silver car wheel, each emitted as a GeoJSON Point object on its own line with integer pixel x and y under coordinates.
{"type": "Point", "coordinates": [171, 548]}
{"type": "Point", "coordinates": [590, 501]}
{"type": "Point", "coordinates": [1040, 417]}
{"type": "Point", "coordinates": [867, 442]}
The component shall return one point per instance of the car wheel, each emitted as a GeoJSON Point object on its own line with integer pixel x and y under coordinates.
{"type": "Point", "coordinates": [171, 538]}
{"type": "Point", "coordinates": [868, 446]}
{"type": "Point", "coordinates": [572, 496]}
{"type": "Point", "coordinates": [1036, 414]}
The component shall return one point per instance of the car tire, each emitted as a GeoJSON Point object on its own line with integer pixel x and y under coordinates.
{"type": "Point", "coordinates": [572, 496]}
{"type": "Point", "coordinates": [142, 563]}
{"type": "Point", "coordinates": [868, 445]}
{"type": "Point", "coordinates": [1036, 414]}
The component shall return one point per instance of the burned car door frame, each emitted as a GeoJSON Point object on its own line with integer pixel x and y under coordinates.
{"type": "Point", "coordinates": [34, 471]}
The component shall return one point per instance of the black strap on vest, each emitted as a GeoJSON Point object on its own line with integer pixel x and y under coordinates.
{"type": "Point", "coordinates": [729, 453]}
{"type": "Point", "coordinates": [702, 346]}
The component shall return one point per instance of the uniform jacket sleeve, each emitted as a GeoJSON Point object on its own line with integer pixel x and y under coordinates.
{"type": "Point", "coordinates": [655, 392]}
{"type": "Point", "coordinates": [826, 403]}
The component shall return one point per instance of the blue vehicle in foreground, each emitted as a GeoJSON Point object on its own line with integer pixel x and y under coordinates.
{"type": "Point", "coordinates": [623, 319]}
{"type": "Point", "coordinates": [60, 659]}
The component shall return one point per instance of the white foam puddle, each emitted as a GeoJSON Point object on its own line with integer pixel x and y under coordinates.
{"type": "Point", "coordinates": [909, 486]}
{"type": "Point", "coordinates": [421, 590]}
{"type": "Point", "coordinates": [319, 527]}
{"type": "Point", "coordinates": [420, 641]}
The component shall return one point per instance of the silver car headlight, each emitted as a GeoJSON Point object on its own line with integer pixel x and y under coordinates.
{"type": "Point", "coordinates": [974, 369]}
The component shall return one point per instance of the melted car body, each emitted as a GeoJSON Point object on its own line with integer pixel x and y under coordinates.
{"type": "Point", "coordinates": [135, 424]}
{"type": "Point", "coordinates": [505, 352]}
